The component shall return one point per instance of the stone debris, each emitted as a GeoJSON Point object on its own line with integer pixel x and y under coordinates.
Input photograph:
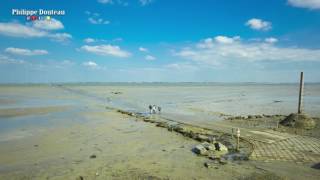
{"type": "Point", "coordinates": [223, 161]}
{"type": "Point", "coordinates": [93, 156]}
{"type": "Point", "coordinates": [162, 124]}
{"type": "Point", "coordinates": [201, 150]}
{"type": "Point", "coordinates": [216, 149]}
{"type": "Point", "coordinates": [80, 178]}
{"type": "Point", "coordinates": [202, 138]}
{"type": "Point", "coordinates": [301, 121]}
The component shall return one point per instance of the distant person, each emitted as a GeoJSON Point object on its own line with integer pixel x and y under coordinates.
{"type": "Point", "coordinates": [150, 109]}
{"type": "Point", "coordinates": [154, 109]}
{"type": "Point", "coordinates": [159, 109]}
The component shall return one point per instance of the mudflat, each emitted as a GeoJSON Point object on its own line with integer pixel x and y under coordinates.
{"type": "Point", "coordinates": [105, 132]}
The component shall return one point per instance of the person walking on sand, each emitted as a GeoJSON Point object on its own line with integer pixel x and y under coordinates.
{"type": "Point", "coordinates": [150, 109]}
{"type": "Point", "coordinates": [154, 109]}
{"type": "Point", "coordinates": [159, 109]}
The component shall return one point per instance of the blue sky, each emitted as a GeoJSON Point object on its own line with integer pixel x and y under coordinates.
{"type": "Point", "coordinates": [161, 40]}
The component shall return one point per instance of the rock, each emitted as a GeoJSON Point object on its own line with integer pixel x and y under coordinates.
{"type": "Point", "coordinates": [93, 156]}
{"type": "Point", "coordinates": [80, 178]}
{"type": "Point", "coordinates": [162, 124]}
{"type": "Point", "coordinates": [217, 149]}
{"type": "Point", "coordinates": [202, 138]}
{"type": "Point", "coordinates": [207, 165]}
{"type": "Point", "coordinates": [237, 157]}
{"type": "Point", "coordinates": [180, 129]}
{"type": "Point", "coordinates": [199, 149]}
{"type": "Point", "coordinates": [316, 166]}
{"type": "Point", "coordinates": [220, 147]}
{"type": "Point", "coordinates": [208, 146]}
{"type": "Point", "coordinates": [223, 161]}
{"type": "Point", "coordinates": [214, 157]}
{"type": "Point", "coordinates": [192, 135]}
{"type": "Point", "coordinates": [258, 116]}
{"type": "Point", "coordinates": [301, 121]}
{"type": "Point", "coordinates": [250, 117]}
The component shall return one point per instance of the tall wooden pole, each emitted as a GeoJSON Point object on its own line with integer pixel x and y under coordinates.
{"type": "Point", "coordinates": [300, 93]}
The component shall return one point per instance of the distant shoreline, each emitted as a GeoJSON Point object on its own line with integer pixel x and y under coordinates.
{"type": "Point", "coordinates": [156, 83]}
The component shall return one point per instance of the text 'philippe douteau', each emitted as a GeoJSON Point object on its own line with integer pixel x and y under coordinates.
{"type": "Point", "coordinates": [39, 12]}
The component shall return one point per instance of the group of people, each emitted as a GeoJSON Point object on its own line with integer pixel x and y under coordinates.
{"type": "Point", "coordinates": [154, 109]}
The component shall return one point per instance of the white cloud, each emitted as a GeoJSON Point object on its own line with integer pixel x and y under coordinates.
{"type": "Point", "coordinates": [208, 43]}
{"type": "Point", "coordinates": [150, 58]}
{"type": "Point", "coordinates": [259, 24]}
{"type": "Point", "coordinates": [96, 19]}
{"type": "Point", "coordinates": [142, 49]}
{"type": "Point", "coordinates": [215, 53]}
{"type": "Point", "coordinates": [51, 24]}
{"type": "Point", "coordinates": [90, 64]}
{"type": "Point", "coordinates": [93, 20]}
{"type": "Point", "coordinates": [25, 52]}
{"type": "Point", "coordinates": [145, 2]}
{"type": "Point", "coordinates": [310, 4]}
{"type": "Point", "coordinates": [271, 40]}
{"type": "Point", "coordinates": [105, 1]}
{"type": "Point", "coordinates": [60, 37]}
{"type": "Point", "coordinates": [89, 40]}
{"type": "Point", "coordinates": [119, 2]}
{"type": "Point", "coordinates": [225, 39]}
{"type": "Point", "coordinates": [106, 50]}
{"type": "Point", "coordinates": [19, 30]}
{"type": "Point", "coordinates": [92, 40]}
{"type": "Point", "coordinates": [182, 66]}
{"type": "Point", "coordinates": [7, 60]}
{"type": "Point", "coordinates": [25, 31]}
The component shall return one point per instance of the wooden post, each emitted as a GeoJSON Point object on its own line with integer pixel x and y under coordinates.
{"type": "Point", "coordinates": [300, 93]}
{"type": "Point", "coordinates": [238, 139]}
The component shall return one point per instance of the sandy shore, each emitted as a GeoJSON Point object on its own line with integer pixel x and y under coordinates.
{"type": "Point", "coordinates": [83, 138]}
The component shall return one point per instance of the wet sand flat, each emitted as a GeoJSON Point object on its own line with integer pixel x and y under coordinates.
{"type": "Point", "coordinates": [13, 112]}
{"type": "Point", "coordinates": [71, 133]}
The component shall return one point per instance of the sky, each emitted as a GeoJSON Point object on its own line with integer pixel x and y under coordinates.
{"type": "Point", "coordinates": [161, 41]}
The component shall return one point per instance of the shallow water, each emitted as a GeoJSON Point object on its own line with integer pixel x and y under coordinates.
{"type": "Point", "coordinates": [192, 103]}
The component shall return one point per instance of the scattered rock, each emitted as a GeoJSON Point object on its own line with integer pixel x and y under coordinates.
{"type": "Point", "coordinates": [267, 116]}
{"type": "Point", "coordinates": [237, 157]}
{"type": "Point", "coordinates": [301, 121]}
{"type": "Point", "coordinates": [162, 124]}
{"type": "Point", "coordinates": [316, 166]}
{"type": "Point", "coordinates": [220, 147]}
{"type": "Point", "coordinates": [207, 165]}
{"type": "Point", "coordinates": [36, 145]}
{"type": "Point", "coordinates": [214, 157]}
{"type": "Point", "coordinates": [208, 146]}
{"type": "Point", "coordinates": [202, 138]}
{"type": "Point", "coordinates": [80, 178]}
{"type": "Point", "coordinates": [217, 149]}
{"type": "Point", "coordinates": [201, 150]}
{"type": "Point", "coordinates": [223, 161]}
{"type": "Point", "coordinates": [258, 116]}
{"type": "Point", "coordinates": [116, 92]}
{"type": "Point", "coordinates": [180, 129]}
{"type": "Point", "coordinates": [93, 156]}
